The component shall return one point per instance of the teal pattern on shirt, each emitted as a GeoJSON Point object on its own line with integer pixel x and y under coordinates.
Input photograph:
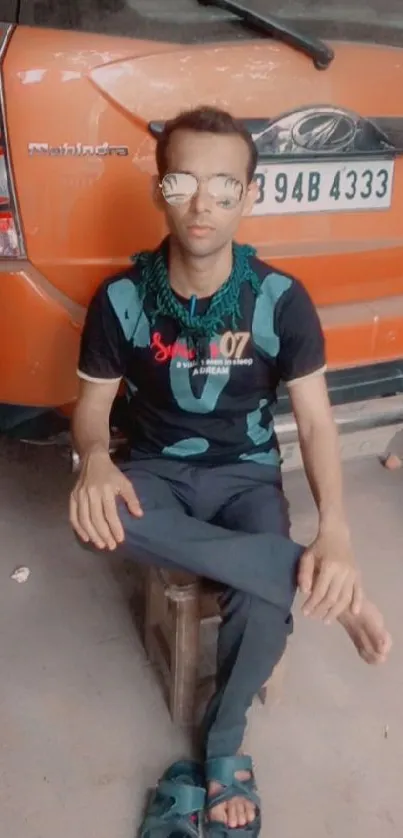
{"type": "Point", "coordinates": [260, 436]}
{"type": "Point", "coordinates": [187, 448]}
{"type": "Point", "coordinates": [129, 309]}
{"type": "Point", "coordinates": [263, 332]}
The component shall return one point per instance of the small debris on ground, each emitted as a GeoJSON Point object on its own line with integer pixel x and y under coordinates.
{"type": "Point", "coordinates": [21, 575]}
{"type": "Point", "coordinates": [392, 462]}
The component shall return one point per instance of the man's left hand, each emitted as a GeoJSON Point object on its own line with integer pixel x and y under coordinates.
{"type": "Point", "coordinates": [328, 574]}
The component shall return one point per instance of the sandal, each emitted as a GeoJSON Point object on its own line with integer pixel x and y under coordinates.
{"type": "Point", "coordinates": [175, 808]}
{"type": "Point", "coordinates": [223, 771]}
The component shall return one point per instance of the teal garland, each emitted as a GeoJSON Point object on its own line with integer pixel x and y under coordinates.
{"type": "Point", "coordinates": [225, 303]}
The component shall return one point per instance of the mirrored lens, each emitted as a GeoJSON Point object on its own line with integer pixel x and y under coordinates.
{"type": "Point", "coordinates": [180, 187]}
{"type": "Point", "coordinates": [227, 191]}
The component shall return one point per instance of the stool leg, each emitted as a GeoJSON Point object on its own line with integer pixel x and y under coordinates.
{"type": "Point", "coordinates": [150, 613]}
{"type": "Point", "coordinates": [185, 659]}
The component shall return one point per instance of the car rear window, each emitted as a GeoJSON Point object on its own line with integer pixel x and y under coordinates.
{"type": "Point", "coordinates": [185, 21]}
{"type": "Point", "coordinates": [8, 11]}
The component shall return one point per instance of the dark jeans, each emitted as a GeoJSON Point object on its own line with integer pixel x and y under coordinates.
{"type": "Point", "coordinates": [229, 524]}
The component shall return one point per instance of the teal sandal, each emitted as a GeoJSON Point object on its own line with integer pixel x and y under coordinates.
{"type": "Point", "coordinates": [223, 771]}
{"type": "Point", "coordinates": [176, 806]}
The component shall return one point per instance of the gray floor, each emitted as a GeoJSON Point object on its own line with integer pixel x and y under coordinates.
{"type": "Point", "coordinates": [84, 730]}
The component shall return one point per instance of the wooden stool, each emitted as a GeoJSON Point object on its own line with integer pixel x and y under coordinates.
{"type": "Point", "coordinates": [176, 605]}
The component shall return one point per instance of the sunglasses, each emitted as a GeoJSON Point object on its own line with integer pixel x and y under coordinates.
{"type": "Point", "coordinates": [179, 188]}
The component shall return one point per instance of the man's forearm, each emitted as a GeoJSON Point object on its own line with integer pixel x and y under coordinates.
{"type": "Point", "coordinates": [90, 430]}
{"type": "Point", "coordinates": [321, 457]}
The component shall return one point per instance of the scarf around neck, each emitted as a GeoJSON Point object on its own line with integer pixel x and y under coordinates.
{"type": "Point", "coordinates": [224, 304]}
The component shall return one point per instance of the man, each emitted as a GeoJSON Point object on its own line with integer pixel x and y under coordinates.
{"type": "Point", "coordinates": [202, 332]}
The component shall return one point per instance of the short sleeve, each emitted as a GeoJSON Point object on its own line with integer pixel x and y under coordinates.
{"type": "Point", "coordinates": [102, 350]}
{"type": "Point", "coordinates": [302, 343]}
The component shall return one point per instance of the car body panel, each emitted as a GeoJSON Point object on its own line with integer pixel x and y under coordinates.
{"type": "Point", "coordinates": [40, 333]}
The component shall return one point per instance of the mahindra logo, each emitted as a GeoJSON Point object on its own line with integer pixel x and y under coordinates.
{"type": "Point", "coordinates": [325, 130]}
{"type": "Point", "coordinates": [77, 150]}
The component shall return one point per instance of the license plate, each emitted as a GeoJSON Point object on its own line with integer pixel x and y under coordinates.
{"type": "Point", "coordinates": [324, 187]}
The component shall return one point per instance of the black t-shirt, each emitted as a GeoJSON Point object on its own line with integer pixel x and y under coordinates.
{"type": "Point", "coordinates": [212, 411]}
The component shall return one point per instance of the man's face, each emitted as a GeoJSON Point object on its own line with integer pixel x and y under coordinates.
{"type": "Point", "coordinates": [218, 165]}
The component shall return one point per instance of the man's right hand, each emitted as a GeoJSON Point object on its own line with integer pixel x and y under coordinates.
{"type": "Point", "coordinates": [93, 511]}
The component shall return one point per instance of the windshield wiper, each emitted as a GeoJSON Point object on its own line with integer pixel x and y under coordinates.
{"type": "Point", "coordinates": [321, 54]}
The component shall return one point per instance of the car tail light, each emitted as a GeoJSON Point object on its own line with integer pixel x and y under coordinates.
{"type": "Point", "coordinates": [11, 245]}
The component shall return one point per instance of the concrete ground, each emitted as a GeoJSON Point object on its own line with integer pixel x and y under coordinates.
{"type": "Point", "coordinates": [83, 727]}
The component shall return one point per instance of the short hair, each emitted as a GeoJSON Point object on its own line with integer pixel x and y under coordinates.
{"type": "Point", "coordinates": [205, 120]}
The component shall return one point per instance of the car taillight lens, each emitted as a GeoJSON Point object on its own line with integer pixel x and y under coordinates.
{"type": "Point", "coordinates": [10, 234]}
{"type": "Point", "coordinates": [9, 245]}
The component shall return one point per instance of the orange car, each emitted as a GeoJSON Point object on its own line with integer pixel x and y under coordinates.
{"type": "Point", "coordinates": [85, 86]}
